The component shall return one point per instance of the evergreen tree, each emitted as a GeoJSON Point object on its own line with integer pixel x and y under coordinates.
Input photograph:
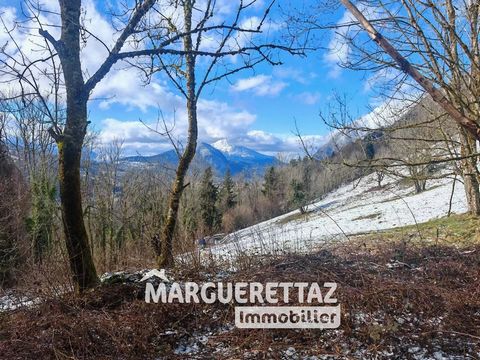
{"type": "Point", "coordinates": [189, 212]}
{"type": "Point", "coordinates": [271, 183]}
{"type": "Point", "coordinates": [227, 196]}
{"type": "Point", "coordinates": [297, 195]}
{"type": "Point", "coordinates": [208, 201]}
{"type": "Point", "coordinates": [307, 178]}
{"type": "Point", "coordinates": [41, 222]}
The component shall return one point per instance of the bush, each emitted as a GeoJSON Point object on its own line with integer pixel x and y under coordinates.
{"type": "Point", "coordinates": [237, 218]}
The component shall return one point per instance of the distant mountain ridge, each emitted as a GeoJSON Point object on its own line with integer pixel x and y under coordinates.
{"type": "Point", "coordinates": [220, 155]}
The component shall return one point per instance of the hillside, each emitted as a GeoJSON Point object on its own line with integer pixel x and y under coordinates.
{"type": "Point", "coordinates": [355, 208]}
{"type": "Point", "coordinates": [396, 299]}
{"type": "Point", "coordinates": [397, 303]}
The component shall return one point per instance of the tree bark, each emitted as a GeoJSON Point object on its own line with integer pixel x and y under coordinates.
{"type": "Point", "coordinates": [70, 144]}
{"type": "Point", "coordinates": [471, 180]}
{"type": "Point", "coordinates": [165, 258]}
{"type": "Point", "coordinates": [470, 173]}
{"type": "Point", "coordinates": [468, 145]}
{"type": "Point", "coordinates": [81, 261]}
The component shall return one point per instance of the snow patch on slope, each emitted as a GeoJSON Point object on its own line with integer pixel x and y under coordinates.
{"type": "Point", "coordinates": [355, 208]}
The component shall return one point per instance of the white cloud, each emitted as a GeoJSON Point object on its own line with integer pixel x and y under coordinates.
{"type": "Point", "coordinates": [308, 98]}
{"type": "Point", "coordinates": [262, 85]}
{"type": "Point", "coordinates": [29, 43]}
{"type": "Point", "coordinates": [123, 86]}
{"type": "Point", "coordinates": [253, 22]}
{"type": "Point", "coordinates": [250, 83]}
{"type": "Point", "coordinates": [138, 139]}
{"type": "Point", "coordinates": [264, 142]}
{"type": "Point", "coordinates": [216, 120]}
{"type": "Point", "coordinates": [32, 46]}
{"type": "Point", "coordinates": [290, 73]}
{"type": "Point", "coordinates": [8, 15]}
{"type": "Point", "coordinates": [338, 47]}
{"type": "Point", "coordinates": [274, 144]}
{"type": "Point", "coordinates": [382, 78]}
{"type": "Point", "coordinates": [94, 53]}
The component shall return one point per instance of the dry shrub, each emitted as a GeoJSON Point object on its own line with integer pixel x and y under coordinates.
{"type": "Point", "coordinates": [244, 215]}
{"type": "Point", "coordinates": [237, 218]}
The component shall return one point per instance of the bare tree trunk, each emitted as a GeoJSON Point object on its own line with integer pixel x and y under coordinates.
{"type": "Point", "coordinates": [70, 144]}
{"type": "Point", "coordinates": [165, 258]}
{"type": "Point", "coordinates": [70, 149]}
{"type": "Point", "coordinates": [470, 173]}
{"type": "Point", "coordinates": [471, 176]}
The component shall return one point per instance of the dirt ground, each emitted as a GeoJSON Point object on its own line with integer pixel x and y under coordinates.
{"type": "Point", "coordinates": [398, 301]}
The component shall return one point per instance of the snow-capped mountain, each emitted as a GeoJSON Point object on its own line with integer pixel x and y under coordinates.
{"type": "Point", "coordinates": [224, 146]}
{"type": "Point", "coordinates": [220, 156]}
{"type": "Point", "coordinates": [241, 158]}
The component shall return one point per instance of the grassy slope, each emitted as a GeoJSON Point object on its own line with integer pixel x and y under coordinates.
{"type": "Point", "coordinates": [455, 230]}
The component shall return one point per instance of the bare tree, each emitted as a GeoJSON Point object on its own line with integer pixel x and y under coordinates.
{"type": "Point", "coordinates": [149, 28]}
{"type": "Point", "coordinates": [106, 190]}
{"type": "Point", "coordinates": [418, 46]}
{"type": "Point", "coordinates": [20, 67]}
{"type": "Point", "coordinates": [28, 135]}
{"type": "Point", "coordinates": [33, 148]}
{"type": "Point", "coordinates": [206, 56]}
{"type": "Point", "coordinates": [13, 211]}
{"type": "Point", "coordinates": [445, 38]}
{"type": "Point", "coordinates": [416, 15]}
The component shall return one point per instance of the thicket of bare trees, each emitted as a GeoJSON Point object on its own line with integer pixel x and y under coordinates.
{"type": "Point", "coordinates": [123, 206]}
{"type": "Point", "coordinates": [415, 47]}
{"type": "Point", "coordinates": [29, 141]}
{"type": "Point", "coordinates": [169, 35]}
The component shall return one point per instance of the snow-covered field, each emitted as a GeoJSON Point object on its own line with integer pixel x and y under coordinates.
{"type": "Point", "coordinates": [355, 208]}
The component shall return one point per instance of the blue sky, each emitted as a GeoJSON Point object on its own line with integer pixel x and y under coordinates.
{"type": "Point", "coordinates": [253, 108]}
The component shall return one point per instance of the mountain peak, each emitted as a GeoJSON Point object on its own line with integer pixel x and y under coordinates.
{"type": "Point", "coordinates": [223, 145]}
{"type": "Point", "coordinates": [220, 155]}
